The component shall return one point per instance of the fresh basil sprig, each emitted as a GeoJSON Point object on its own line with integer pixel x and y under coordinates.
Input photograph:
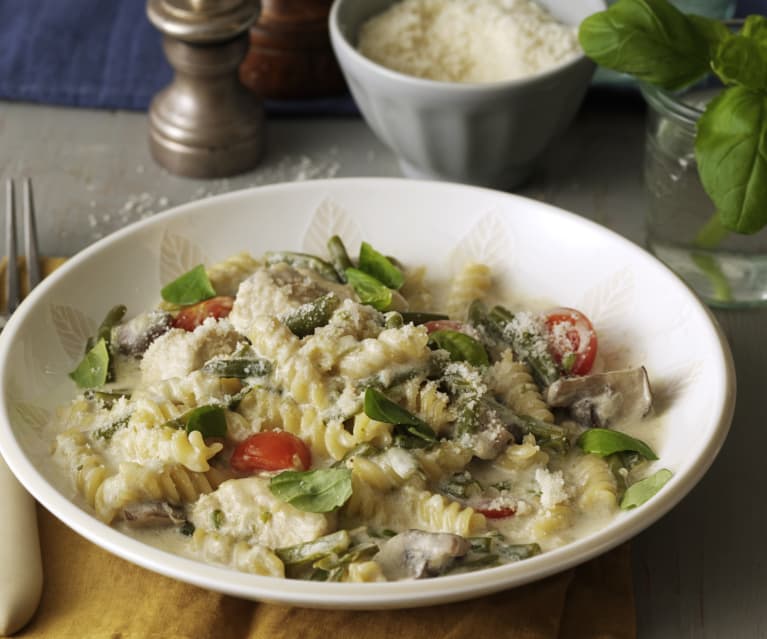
{"type": "Point", "coordinates": [660, 45]}
{"type": "Point", "coordinates": [603, 442]}
{"type": "Point", "coordinates": [189, 288]}
{"type": "Point", "coordinates": [643, 490]}
{"type": "Point", "coordinates": [314, 491]}
{"type": "Point", "coordinates": [462, 347]}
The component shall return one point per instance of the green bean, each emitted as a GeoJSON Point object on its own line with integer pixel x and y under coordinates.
{"type": "Point", "coordinates": [339, 258]}
{"type": "Point", "coordinates": [238, 367]}
{"type": "Point", "coordinates": [462, 486]}
{"type": "Point", "coordinates": [106, 432]}
{"type": "Point", "coordinates": [303, 260]}
{"type": "Point", "coordinates": [541, 364]}
{"type": "Point", "coordinates": [106, 398]}
{"type": "Point", "coordinates": [548, 435]}
{"type": "Point", "coordinates": [111, 319]}
{"type": "Point", "coordinates": [393, 319]}
{"type": "Point", "coordinates": [384, 380]}
{"type": "Point", "coordinates": [515, 552]}
{"type": "Point", "coordinates": [491, 551]}
{"type": "Point", "coordinates": [306, 318]}
{"type": "Point", "coordinates": [310, 551]}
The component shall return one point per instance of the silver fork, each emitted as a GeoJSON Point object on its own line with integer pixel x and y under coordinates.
{"type": "Point", "coordinates": [21, 575]}
{"type": "Point", "coordinates": [13, 286]}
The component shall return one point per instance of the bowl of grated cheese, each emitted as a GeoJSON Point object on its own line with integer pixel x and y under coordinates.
{"type": "Point", "coordinates": [470, 91]}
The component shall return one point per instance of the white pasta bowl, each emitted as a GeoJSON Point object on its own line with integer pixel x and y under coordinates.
{"type": "Point", "coordinates": [485, 134]}
{"type": "Point", "coordinates": [641, 311]}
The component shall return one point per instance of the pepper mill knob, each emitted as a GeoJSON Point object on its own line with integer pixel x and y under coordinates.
{"type": "Point", "coordinates": [205, 124]}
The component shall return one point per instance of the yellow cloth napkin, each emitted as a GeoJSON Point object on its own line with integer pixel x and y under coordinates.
{"type": "Point", "coordinates": [91, 594]}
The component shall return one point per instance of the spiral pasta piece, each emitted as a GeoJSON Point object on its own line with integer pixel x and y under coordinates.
{"type": "Point", "coordinates": [595, 483]}
{"type": "Point", "coordinates": [226, 276]}
{"type": "Point", "coordinates": [512, 381]}
{"type": "Point", "coordinates": [472, 282]}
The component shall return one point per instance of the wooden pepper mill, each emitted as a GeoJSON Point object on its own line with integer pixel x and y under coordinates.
{"type": "Point", "coordinates": [290, 53]}
{"type": "Point", "coordinates": [205, 124]}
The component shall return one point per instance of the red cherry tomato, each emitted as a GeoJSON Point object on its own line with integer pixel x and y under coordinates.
{"type": "Point", "coordinates": [191, 317]}
{"type": "Point", "coordinates": [495, 512]}
{"type": "Point", "coordinates": [572, 340]}
{"type": "Point", "coordinates": [443, 325]}
{"type": "Point", "coordinates": [271, 450]}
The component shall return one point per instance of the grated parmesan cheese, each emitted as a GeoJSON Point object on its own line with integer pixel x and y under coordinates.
{"type": "Point", "coordinates": [467, 40]}
{"type": "Point", "coordinates": [552, 484]}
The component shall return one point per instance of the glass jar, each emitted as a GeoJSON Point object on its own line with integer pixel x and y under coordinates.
{"type": "Point", "coordinates": [725, 269]}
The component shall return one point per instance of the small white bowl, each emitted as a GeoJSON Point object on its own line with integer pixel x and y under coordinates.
{"type": "Point", "coordinates": [642, 312]}
{"type": "Point", "coordinates": [482, 134]}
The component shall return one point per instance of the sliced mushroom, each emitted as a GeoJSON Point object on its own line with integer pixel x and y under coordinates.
{"type": "Point", "coordinates": [604, 399]}
{"type": "Point", "coordinates": [489, 443]}
{"type": "Point", "coordinates": [415, 553]}
{"type": "Point", "coordinates": [134, 336]}
{"type": "Point", "coordinates": [153, 514]}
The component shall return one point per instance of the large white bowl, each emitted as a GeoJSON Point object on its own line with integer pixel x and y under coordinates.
{"type": "Point", "coordinates": [643, 313]}
{"type": "Point", "coordinates": [489, 134]}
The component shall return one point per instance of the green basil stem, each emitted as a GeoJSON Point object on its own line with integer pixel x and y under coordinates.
{"type": "Point", "coordinates": [711, 234]}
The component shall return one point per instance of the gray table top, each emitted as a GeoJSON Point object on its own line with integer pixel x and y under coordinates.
{"type": "Point", "coordinates": [699, 572]}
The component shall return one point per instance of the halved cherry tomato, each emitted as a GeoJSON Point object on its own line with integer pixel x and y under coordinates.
{"type": "Point", "coordinates": [271, 450]}
{"type": "Point", "coordinates": [495, 512]}
{"type": "Point", "coordinates": [191, 317]}
{"type": "Point", "coordinates": [572, 340]}
{"type": "Point", "coordinates": [443, 325]}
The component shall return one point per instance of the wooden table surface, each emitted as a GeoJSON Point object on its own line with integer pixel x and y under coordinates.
{"type": "Point", "coordinates": [699, 572]}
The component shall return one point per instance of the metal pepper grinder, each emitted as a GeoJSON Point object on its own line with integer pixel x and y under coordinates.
{"type": "Point", "coordinates": [205, 124]}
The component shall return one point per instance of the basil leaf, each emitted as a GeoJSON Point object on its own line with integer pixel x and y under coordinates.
{"type": "Point", "coordinates": [755, 27]}
{"type": "Point", "coordinates": [714, 31]}
{"type": "Point", "coordinates": [104, 331]}
{"type": "Point", "coordinates": [190, 288]}
{"type": "Point", "coordinates": [382, 409]}
{"type": "Point", "coordinates": [410, 431]}
{"type": "Point", "coordinates": [649, 39]}
{"type": "Point", "coordinates": [640, 492]}
{"type": "Point", "coordinates": [379, 266]}
{"type": "Point", "coordinates": [209, 420]}
{"type": "Point", "coordinates": [314, 491]}
{"type": "Point", "coordinates": [742, 60]}
{"type": "Point", "coordinates": [729, 149]}
{"type": "Point", "coordinates": [462, 347]}
{"type": "Point", "coordinates": [369, 289]}
{"type": "Point", "coordinates": [603, 442]}
{"type": "Point", "coordinates": [93, 370]}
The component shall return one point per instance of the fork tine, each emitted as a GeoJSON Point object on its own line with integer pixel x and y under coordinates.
{"type": "Point", "coordinates": [30, 236]}
{"type": "Point", "coordinates": [11, 271]}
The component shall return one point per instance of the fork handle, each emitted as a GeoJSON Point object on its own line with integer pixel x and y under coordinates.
{"type": "Point", "coordinates": [22, 585]}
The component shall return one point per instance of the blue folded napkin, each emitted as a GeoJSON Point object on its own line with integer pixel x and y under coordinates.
{"type": "Point", "coordinates": [98, 54]}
